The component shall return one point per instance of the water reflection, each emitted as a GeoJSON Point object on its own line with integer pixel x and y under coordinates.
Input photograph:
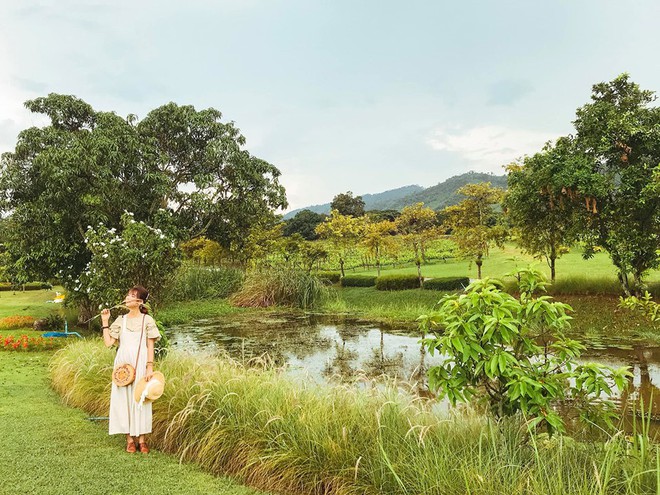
{"type": "Point", "coordinates": [319, 347]}
{"type": "Point", "coordinates": [329, 350]}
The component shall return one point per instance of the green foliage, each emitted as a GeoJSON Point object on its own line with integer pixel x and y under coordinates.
{"type": "Point", "coordinates": [332, 277]}
{"type": "Point", "coordinates": [618, 142]}
{"type": "Point", "coordinates": [539, 206]}
{"type": "Point", "coordinates": [343, 232]}
{"type": "Point", "coordinates": [416, 224]}
{"type": "Point", "coordinates": [491, 341]}
{"type": "Point", "coordinates": [7, 286]}
{"type": "Point", "coordinates": [280, 286]}
{"type": "Point", "coordinates": [397, 282]}
{"type": "Point", "coordinates": [474, 222]}
{"type": "Point", "coordinates": [192, 282]}
{"type": "Point", "coordinates": [304, 223]}
{"type": "Point", "coordinates": [347, 204]}
{"type": "Point", "coordinates": [86, 167]}
{"type": "Point", "coordinates": [139, 254]}
{"type": "Point", "coordinates": [358, 281]}
{"type": "Point", "coordinates": [446, 283]}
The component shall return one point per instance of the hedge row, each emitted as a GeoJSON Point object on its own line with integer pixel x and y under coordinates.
{"type": "Point", "coordinates": [397, 282]}
{"type": "Point", "coordinates": [332, 277]}
{"type": "Point", "coordinates": [6, 286]}
{"type": "Point", "coordinates": [358, 281]}
{"type": "Point", "coordinates": [446, 283]}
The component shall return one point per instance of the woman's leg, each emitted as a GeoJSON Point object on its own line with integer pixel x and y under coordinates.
{"type": "Point", "coordinates": [130, 444]}
{"type": "Point", "coordinates": [144, 448]}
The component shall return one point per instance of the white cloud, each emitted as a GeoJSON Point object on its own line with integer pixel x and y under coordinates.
{"type": "Point", "coordinates": [490, 147]}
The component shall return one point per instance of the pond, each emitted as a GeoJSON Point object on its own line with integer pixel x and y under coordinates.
{"type": "Point", "coordinates": [334, 349]}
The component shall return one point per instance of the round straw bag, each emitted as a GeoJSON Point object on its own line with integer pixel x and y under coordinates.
{"type": "Point", "coordinates": [124, 374]}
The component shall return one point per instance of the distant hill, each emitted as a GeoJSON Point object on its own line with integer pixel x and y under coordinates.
{"type": "Point", "coordinates": [371, 201]}
{"type": "Point", "coordinates": [437, 197]}
{"type": "Point", "coordinates": [444, 194]}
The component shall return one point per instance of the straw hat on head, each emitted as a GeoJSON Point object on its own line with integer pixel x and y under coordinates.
{"type": "Point", "coordinates": [149, 390]}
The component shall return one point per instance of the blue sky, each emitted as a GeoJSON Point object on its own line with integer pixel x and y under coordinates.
{"type": "Point", "coordinates": [339, 95]}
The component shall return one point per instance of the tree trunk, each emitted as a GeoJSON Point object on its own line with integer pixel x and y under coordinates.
{"type": "Point", "coordinates": [623, 279]}
{"type": "Point", "coordinates": [341, 266]}
{"type": "Point", "coordinates": [479, 262]}
{"type": "Point", "coordinates": [419, 272]}
{"type": "Point", "coordinates": [552, 269]}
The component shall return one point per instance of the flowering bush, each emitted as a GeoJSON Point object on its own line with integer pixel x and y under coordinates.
{"type": "Point", "coordinates": [14, 322]}
{"type": "Point", "coordinates": [25, 343]}
{"type": "Point", "coordinates": [140, 254]}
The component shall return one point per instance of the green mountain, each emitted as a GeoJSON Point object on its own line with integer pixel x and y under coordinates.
{"type": "Point", "coordinates": [437, 197]}
{"type": "Point", "coordinates": [371, 201]}
{"type": "Point", "coordinates": [444, 194]}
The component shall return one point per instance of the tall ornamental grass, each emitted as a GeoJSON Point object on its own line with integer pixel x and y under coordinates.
{"type": "Point", "coordinates": [281, 286]}
{"type": "Point", "coordinates": [291, 437]}
{"type": "Point", "coordinates": [194, 282]}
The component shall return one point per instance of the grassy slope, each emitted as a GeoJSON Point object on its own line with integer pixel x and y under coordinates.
{"type": "Point", "coordinates": [48, 448]}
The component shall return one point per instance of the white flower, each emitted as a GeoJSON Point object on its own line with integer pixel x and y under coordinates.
{"type": "Point", "coordinates": [105, 255]}
{"type": "Point", "coordinates": [103, 244]}
{"type": "Point", "coordinates": [100, 306]}
{"type": "Point", "coordinates": [172, 245]}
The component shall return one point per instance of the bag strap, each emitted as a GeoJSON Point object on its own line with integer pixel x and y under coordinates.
{"type": "Point", "coordinates": [139, 346]}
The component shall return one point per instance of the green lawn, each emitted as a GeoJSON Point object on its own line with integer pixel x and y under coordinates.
{"type": "Point", "coordinates": [502, 261]}
{"type": "Point", "coordinates": [29, 303]}
{"type": "Point", "coordinates": [48, 448]}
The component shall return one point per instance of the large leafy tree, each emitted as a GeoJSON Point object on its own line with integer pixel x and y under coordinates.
{"type": "Point", "coordinates": [379, 238]}
{"type": "Point", "coordinates": [618, 139]}
{"type": "Point", "coordinates": [179, 169]}
{"type": "Point", "coordinates": [474, 222]}
{"type": "Point", "coordinates": [304, 223]}
{"type": "Point", "coordinates": [347, 204]}
{"type": "Point", "coordinates": [537, 205]}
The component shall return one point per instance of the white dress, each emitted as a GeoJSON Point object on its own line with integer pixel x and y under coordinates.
{"type": "Point", "coordinates": [125, 416]}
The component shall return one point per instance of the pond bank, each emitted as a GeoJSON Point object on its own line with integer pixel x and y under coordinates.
{"type": "Point", "coordinates": [48, 448]}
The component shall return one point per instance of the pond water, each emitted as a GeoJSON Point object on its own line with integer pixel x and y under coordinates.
{"type": "Point", "coordinates": [330, 349]}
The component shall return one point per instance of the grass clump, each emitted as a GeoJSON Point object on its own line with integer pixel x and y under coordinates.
{"type": "Point", "coordinates": [397, 282]}
{"type": "Point", "coordinates": [446, 283]}
{"type": "Point", "coordinates": [358, 281]}
{"type": "Point", "coordinates": [280, 286]}
{"type": "Point", "coordinates": [195, 282]}
{"type": "Point", "coordinates": [295, 438]}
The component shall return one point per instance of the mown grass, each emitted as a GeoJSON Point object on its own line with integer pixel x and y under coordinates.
{"type": "Point", "coordinates": [48, 448]}
{"type": "Point", "coordinates": [29, 303]}
{"type": "Point", "coordinates": [301, 439]}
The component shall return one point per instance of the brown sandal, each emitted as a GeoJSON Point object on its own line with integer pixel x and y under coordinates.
{"type": "Point", "coordinates": [130, 447]}
{"type": "Point", "coordinates": [144, 448]}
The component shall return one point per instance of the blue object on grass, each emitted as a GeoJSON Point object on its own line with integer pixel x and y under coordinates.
{"type": "Point", "coordinates": [65, 333]}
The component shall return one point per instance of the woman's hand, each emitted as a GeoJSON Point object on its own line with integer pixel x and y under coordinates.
{"type": "Point", "coordinates": [105, 317]}
{"type": "Point", "coordinates": [149, 374]}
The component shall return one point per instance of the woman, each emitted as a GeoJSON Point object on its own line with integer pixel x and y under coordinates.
{"type": "Point", "coordinates": [125, 415]}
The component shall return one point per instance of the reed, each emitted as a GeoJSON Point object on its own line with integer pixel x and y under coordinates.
{"type": "Point", "coordinates": [258, 425]}
{"type": "Point", "coordinates": [280, 286]}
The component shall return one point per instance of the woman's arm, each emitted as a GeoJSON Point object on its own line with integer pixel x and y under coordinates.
{"type": "Point", "coordinates": [150, 358]}
{"type": "Point", "coordinates": [105, 321]}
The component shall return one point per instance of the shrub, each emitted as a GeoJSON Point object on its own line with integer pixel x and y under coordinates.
{"type": "Point", "coordinates": [446, 283]}
{"type": "Point", "coordinates": [489, 340]}
{"type": "Point", "coordinates": [54, 321]}
{"type": "Point", "coordinates": [281, 286]}
{"type": "Point", "coordinates": [358, 281]}
{"type": "Point", "coordinates": [6, 286]}
{"type": "Point", "coordinates": [397, 282]}
{"type": "Point", "coordinates": [193, 282]}
{"type": "Point", "coordinates": [332, 277]}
